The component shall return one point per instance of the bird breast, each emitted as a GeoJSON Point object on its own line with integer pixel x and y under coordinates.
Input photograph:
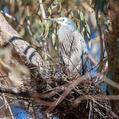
{"type": "Point", "coordinates": [72, 45]}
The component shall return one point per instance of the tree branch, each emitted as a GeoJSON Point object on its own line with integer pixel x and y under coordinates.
{"type": "Point", "coordinates": [9, 35]}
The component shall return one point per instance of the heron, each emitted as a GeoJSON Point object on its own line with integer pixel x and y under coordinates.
{"type": "Point", "coordinates": [72, 46]}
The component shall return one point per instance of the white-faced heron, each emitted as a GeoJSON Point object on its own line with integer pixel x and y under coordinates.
{"type": "Point", "coordinates": [72, 46]}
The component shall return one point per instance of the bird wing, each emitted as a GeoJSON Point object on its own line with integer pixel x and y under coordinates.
{"type": "Point", "coordinates": [81, 42]}
{"type": "Point", "coordinates": [71, 49]}
{"type": "Point", "coordinates": [67, 43]}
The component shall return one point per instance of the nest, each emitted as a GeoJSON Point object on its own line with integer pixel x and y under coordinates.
{"type": "Point", "coordinates": [58, 91]}
{"type": "Point", "coordinates": [68, 95]}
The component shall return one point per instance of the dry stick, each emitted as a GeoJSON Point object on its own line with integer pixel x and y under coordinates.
{"type": "Point", "coordinates": [90, 110]}
{"type": "Point", "coordinates": [37, 97]}
{"type": "Point", "coordinates": [92, 59]}
{"type": "Point", "coordinates": [42, 10]}
{"type": "Point", "coordinates": [107, 109]}
{"type": "Point", "coordinates": [114, 115]}
{"type": "Point", "coordinates": [25, 96]}
{"type": "Point", "coordinates": [78, 81]}
{"type": "Point", "coordinates": [73, 84]}
{"type": "Point", "coordinates": [87, 7]}
{"type": "Point", "coordinates": [104, 77]}
{"type": "Point", "coordinates": [101, 39]}
{"type": "Point", "coordinates": [67, 91]}
{"type": "Point", "coordinates": [53, 92]}
{"type": "Point", "coordinates": [7, 104]}
{"type": "Point", "coordinates": [96, 97]}
{"type": "Point", "coordinates": [45, 103]}
{"type": "Point", "coordinates": [110, 82]}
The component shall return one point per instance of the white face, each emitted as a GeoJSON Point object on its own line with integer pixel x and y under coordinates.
{"type": "Point", "coordinates": [62, 20]}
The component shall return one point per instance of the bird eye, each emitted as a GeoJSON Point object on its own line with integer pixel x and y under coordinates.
{"type": "Point", "coordinates": [62, 19]}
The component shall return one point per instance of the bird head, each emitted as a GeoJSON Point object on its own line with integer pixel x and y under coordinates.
{"type": "Point", "coordinates": [64, 21]}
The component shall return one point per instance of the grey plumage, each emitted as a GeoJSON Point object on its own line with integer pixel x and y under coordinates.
{"type": "Point", "coordinates": [71, 44]}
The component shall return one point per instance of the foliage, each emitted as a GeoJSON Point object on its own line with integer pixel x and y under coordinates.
{"type": "Point", "coordinates": [54, 88]}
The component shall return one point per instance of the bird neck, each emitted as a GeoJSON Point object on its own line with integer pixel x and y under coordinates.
{"type": "Point", "coordinates": [67, 28]}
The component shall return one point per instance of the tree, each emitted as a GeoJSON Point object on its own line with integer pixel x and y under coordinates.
{"type": "Point", "coordinates": [37, 78]}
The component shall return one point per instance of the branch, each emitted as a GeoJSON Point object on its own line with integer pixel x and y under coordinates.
{"type": "Point", "coordinates": [73, 84]}
{"type": "Point", "coordinates": [76, 82]}
{"type": "Point", "coordinates": [101, 38]}
{"type": "Point", "coordinates": [96, 97]}
{"type": "Point", "coordinates": [110, 82]}
{"type": "Point", "coordinates": [9, 35]}
{"type": "Point", "coordinates": [25, 95]}
{"type": "Point", "coordinates": [8, 105]}
{"type": "Point", "coordinates": [42, 10]}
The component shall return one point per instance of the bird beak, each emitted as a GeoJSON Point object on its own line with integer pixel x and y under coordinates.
{"type": "Point", "coordinates": [56, 20]}
{"type": "Point", "coordinates": [52, 19]}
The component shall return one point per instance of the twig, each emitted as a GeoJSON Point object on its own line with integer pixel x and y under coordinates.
{"type": "Point", "coordinates": [110, 82]}
{"type": "Point", "coordinates": [114, 115]}
{"type": "Point", "coordinates": [12, 18]}
{"type": "Point", "coordinates": [25, 95]}
{"type": "Point", "coordinates": [42, 10]}
{"type": "Point", "coordinates": [100, 36]}
{"type": "Point", "coordinates": [92, 59]}
{"type": "Point", "coordinates": [53, 92]}
{"type": "Point", "coordinates": [104, 78]}
{"type": "Point", "coordinates": [7, 104]}
{"type": "Point", "coordinates": [87, 7]}
{"type": "Point", "coordinates": [77, 82]}
{"type": "Point", "coordinates": [96, 97]}
{"type": "Point", "coordinates": [73, 84]}
{"type": "Point", "coordinates": [91, 110]}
